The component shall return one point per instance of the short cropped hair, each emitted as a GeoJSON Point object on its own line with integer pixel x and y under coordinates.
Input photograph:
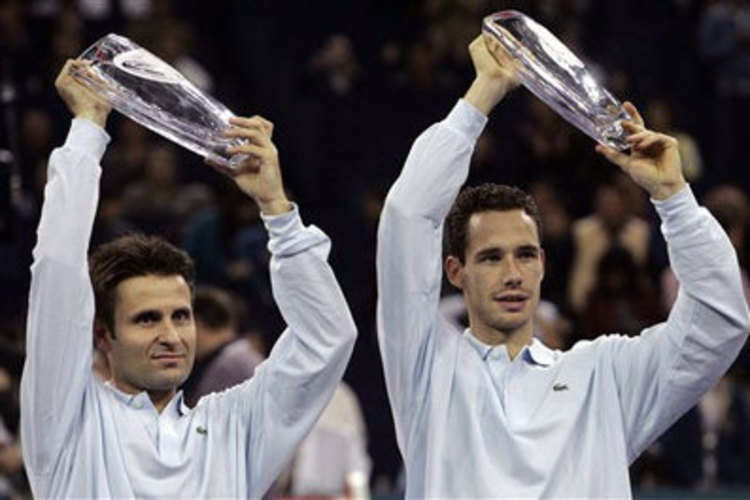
{"type": "Point", "coordinates": [130, 256]}
{"type": "Point", "coordinates": [483, 198]}
{"type": "Point", "coordinates": [214, 307]}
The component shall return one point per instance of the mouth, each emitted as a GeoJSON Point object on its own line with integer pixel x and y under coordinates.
{"type": "Point", "coordinates": [512, 302]}
{"type": "Point", "coordinates": [168, 357]}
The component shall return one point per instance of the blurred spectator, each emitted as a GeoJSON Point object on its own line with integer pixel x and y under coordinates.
{"type": "Point", "coordinates": [332, 461]}
{"type": "Point", "coordinates": [611, 225]}
{"type": "Point", "coordinates": [336, 65]}
{"type": "Point", "coordinates": [173, 40]}
{"type": "Point", "coordinates": [222, 358]}
{"type": "Point", "coordinates": [125, 160]}
{"type": "Point", "coordinates": [623, 300]}
{"type": "Point", "coordinates": [556, 241]}
{"type": "Point", "coordinates": [12, 479]}
{"type": "Point", "coordinates": [11, 464]}
{"type": "Point", "coordinates": [150, 203]}
{"type": "Point", "coordinates": [228, 245]}
{"type": "Point", "coordinates": [660, 117]}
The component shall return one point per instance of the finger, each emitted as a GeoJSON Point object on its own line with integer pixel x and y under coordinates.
{"type": "Point", "coordinates": [497, 50]}
{"type": "Point", "coordinates": [65, 72]}
{"type": "Point", "coordinates": [650, 142]}
{"type": "Point", "coordinates": [250, 164]}
{"type": "Point", "coordinates": [254, 135]}
{"type": "Point", "coordinates": [476, 43]}
{"type": "Point", "coordinates": [267, 125]}
{"type": "Point", "coordinates": [617, 157]}
{"type": "Point", "coordinates": [632, 127]}
{"type": "Point", "coordinates": [248, 149]}
{"type": "Point", "coordinates": [253, 122]}
{"type": "Point", "coordinates": [638, 137]}
{"type": "Point", "coordinates": [633, 111]}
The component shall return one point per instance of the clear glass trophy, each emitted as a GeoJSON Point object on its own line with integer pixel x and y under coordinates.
{"type": "Point", "coordinates": [151, 92]}
{"type": "Point", "coordinates": [556, 76]}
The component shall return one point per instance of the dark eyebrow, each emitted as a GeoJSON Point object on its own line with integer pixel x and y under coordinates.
{"type": "Point", "coordinates": [185, 310]}
{"type": "Point", "coordinates": [528, 248]}
{"type": "Point", "coordinates": [147, 314]}
{"type": "Point", "coordinates": [489, 251]}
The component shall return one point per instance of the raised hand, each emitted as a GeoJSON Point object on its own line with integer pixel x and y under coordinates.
{"type": "Point", "coordinates": [260, 175]}
{"type": "Point", "coordinates": [654, 161]}
{"type": "Point", "coordinates": [81, 101]}
{"type": "Point", "coordinates": [495, 74]}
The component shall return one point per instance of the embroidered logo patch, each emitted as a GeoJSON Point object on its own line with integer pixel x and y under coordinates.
{"type": "Point", "coordinates": [560, 387]}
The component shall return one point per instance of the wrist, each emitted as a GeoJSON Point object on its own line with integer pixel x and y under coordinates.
{"type": "Point", "coordinates": [98, 117]}
{"type": "Point", "coordinates": [485, 93]}
{"type": "Point", "coordinates": [275, 206]}
{"type": "Point", "coordinates": [668, 190]}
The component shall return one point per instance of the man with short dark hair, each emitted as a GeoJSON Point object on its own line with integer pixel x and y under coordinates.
{"type": "Point", "coordinates": [132, 436]}
{"type": "Point", "coordinates": [493, 412]}
{"type": "Point", "coordinates": [222, 357]}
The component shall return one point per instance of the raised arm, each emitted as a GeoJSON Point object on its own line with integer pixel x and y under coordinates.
{"type": "Point", "coordinates": [409, 253]}
{"type": "Point", "coordinates": [663, 372]}
{"type": "Point", "coordinates": [61, 302]}
{"type": "Point", "coordinates": [293, 386]}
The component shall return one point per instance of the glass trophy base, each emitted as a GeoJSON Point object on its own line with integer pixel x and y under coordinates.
{"type": "Point", "coordinates": [556, 76]}
{"type": "Point", "coordinates": [151, 92]}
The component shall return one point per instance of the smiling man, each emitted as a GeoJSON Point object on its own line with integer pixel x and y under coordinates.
{"type": "Point", "coordinates": [131, 436]}
{"type": "Point", "coordinates": [492, 412]}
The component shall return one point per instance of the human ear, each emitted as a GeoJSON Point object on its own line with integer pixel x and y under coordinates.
{"type": "Point", "coordinates": [454, 270]}
{"type": "Point", "coordinates": [543, 258]}
{"type": "Point", "coordinates": [102, 337]}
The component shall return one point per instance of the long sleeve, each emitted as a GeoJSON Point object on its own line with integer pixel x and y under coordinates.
{"type": "Point", "coordinates": [61, 302]}
{"type": "Point", "coordinates": [293, 386]}
{"type": "Point", "coordinates": [663, 372]}
{"type": "Point", "coordinates": [409, 252]}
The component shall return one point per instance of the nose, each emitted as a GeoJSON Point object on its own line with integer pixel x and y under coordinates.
{"type": "Point", "coordinates": [169, 334]}
{"type": "Point", "coordinates": [511, 273]}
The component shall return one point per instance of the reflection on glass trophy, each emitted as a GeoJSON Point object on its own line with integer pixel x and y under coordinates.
{"type": "Point", "coordinates": [556, 76]}
{"type": "Point", "coordinates": [146, 89]}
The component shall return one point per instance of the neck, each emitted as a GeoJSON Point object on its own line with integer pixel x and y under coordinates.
{"type": "Point", "coordinates": [160, 399]}
{"type": "Point", "coordinates": [513, 340]}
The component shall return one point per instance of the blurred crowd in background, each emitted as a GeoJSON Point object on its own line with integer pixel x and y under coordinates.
{"type": "Point", "coordinates": [349, 86]}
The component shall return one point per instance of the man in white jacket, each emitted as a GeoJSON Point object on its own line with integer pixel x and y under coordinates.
{"type": "Point", "coordinates": [132, 436]}
{"type": "Point", "coordinates": [492, 412]}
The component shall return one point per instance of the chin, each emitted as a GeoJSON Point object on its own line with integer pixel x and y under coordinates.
{"type": "Point", "coordinates": [509, 326]}
{"type": "Point", "coordinates": [167, 383]}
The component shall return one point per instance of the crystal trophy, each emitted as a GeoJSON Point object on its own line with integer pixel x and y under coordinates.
{"type": "Point", "coordinates": [151, 92]}
{"type": "Point", "coordinates": [556, 76]}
